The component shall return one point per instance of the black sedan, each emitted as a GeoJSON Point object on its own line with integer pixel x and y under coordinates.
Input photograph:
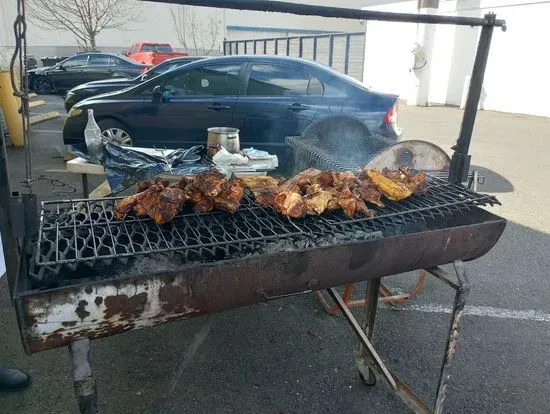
{"type": "Point", "coordinates": [81, 68]}
{"type": "Point", "coordinates": [266, 97]}
{"type": "Point", "coordinates": [88, 89]}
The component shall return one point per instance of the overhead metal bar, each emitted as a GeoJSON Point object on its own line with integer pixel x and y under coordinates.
{"type": "Point", "coordinates": [338, 12]}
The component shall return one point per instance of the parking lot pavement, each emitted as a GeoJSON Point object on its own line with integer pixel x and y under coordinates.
{"type": "Point", "coordinates": [288, 356]}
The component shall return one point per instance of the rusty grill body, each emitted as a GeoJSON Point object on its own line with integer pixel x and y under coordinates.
{"type": "Point", "coordinates": [91, 275]}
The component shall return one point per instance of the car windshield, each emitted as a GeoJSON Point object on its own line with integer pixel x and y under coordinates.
{"type": "Point", "coordinates": [156, 48]}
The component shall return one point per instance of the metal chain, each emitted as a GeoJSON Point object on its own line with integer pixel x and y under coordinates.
{"type": "Point", "coordinates": [22, 92]}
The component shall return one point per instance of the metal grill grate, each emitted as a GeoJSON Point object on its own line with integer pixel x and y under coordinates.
{"type": "Point", "coordinates": [87, 231]}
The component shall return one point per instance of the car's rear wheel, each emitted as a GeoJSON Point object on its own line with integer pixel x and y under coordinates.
{"type": "Point", "coordinates": [115, 132]}
{"type": "Point", "coordinates": [42, 85]}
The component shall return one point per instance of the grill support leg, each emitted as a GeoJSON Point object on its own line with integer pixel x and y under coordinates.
{"type": "Point", "coordinates": [84, 381]}
{"type": "Point", "coordinates": [369, 363]}
{"type": "Point", "coordinates": [369, 319]}
{"type": "Point", "coordinates": [462, 291]}
{"type": "Point", "coordinates": [85, 186]}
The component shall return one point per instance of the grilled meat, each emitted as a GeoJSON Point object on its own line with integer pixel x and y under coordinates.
{"type": "Point", "coordinates": [289, 203]}
{"type": "Point", "coordinates": [316, 202]}
{"type": "Point", "coordinates": [229, 199]}
{"type": "Point", "coordinates": [264, 189]}
{"type": "Point", "coordinates": [347, 201]}
{"type": "Point", "coordinates": [366, 191]}
{"type": "Point", "coordinates": [126, 205]}
{"type": "Point", "coordinates": [205, 205]}
{"type": "Point", "coordinates": [163, 206]}
{"type": "Point", "coordinates": [310, 192]}
{"type": "Point", "coordinates": [415, 182]}
{"type": "Point", "coordinates": [209, 183]}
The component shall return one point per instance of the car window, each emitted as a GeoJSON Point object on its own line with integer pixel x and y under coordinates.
{"type": "Point", "coordinates": [116, 61]}
{"type": "Point", "coordinates": [99, 60]}
{"type": "Point", "coordinates": [277, 80]}
{"type": "Point", "coordinates": [156, 48]}
{"type": "Point", "coordinates": [163, 68]}
{"type": "Point", "coordinates": [213, 80]}
{"type": "Point", "coordinates": [79, 60]}
{"type": "Point", "coordinates": [315, 87]}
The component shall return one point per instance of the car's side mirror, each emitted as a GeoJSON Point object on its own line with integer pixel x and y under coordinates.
{"type": "Point", "coordinates": [61, 67]}
{"type": "Point", "coordinates": [157, 94]}
{"type": "Point", "coordinates": [144, 76]}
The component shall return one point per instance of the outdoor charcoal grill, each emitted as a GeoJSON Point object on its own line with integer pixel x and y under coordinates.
{"type": "Point", "coordinates": [89, 276]}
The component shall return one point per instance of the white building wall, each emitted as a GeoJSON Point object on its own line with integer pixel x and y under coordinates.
{"type": "Point", "coordinates": [516, 79]}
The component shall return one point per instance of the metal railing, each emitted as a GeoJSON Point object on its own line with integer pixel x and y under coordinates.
{"type": "Point", "coordinates": [342, 51]}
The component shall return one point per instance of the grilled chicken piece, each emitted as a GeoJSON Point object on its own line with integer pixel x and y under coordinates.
{"type": "Point", "coordinates": [205, 205]}
{"type": "Point", "coordinates": [126, 205]}
{"type": "Point", "coordinates": [347, 202]}
{"type": "Point", "coordinates": [139, 210]}
{"type": "Point", "coordinates": [345, 179]}
{"type": "Point", "coordinates": [361, 207]}
{"type": "Point", "coordinates": [392, 190]}
{"type": "Point", "coordinates": [366, 191]}
{"type": "Point", "coordinates": [163, 206]}
{"type": "Point", "coordinates": [183, 183]}
{"type": "Point", "coordinates": [264, 189]}
{"type": "Point", "coordinates": [209, 183]}
{"type": "Point", "coordinates": [324, 179]}
{"type": "Point", "coordinates": [317, 202]}
{"type": "Point", "coordinates": [415, 182]}
{"type": "Point", "coordinates": [300, 180]}
{"type": "Point", "coordinates": [229, 199]}
{"type": "Point", "coordinates": [289, 203]}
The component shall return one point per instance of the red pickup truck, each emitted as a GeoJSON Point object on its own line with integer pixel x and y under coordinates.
{"type": "Point", "coordinates": [150, 53]}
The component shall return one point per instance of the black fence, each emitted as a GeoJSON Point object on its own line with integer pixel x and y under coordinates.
{"type": "Point", "coordinates": [342, 51]}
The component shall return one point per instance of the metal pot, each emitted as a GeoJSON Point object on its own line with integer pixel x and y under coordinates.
{"type": "Point", "coordinates": [224, 136]}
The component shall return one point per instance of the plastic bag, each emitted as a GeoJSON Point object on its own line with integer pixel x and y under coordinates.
{"type": "Point", "coordinates": [124, 166]}
{"type": "Point", "coordinates": [224, 157]}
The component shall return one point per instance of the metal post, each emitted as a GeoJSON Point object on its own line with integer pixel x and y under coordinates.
{"type": "Point", "coordinates": [225, 48]}
{"type": "Point", "coordinates": [300, 47]}
{"type": "Point", "coordinates": [288, 46]}
{"type": "Point", "coordinates": [276, 47]}
{"type": "Point", "coordinates": [245, 47]}
{"type": "Point", "coordinates": [346, 58]}
{"type": "Point", "coordinates": [265, 46]}
{"type": "Point", "coordinates": [369, 319]}
{"type": "Point", "coordinates": [460, 300]}
{"type": "Point", "coordinates": [330, 49]}
{"type": "Point", "coordinates": [314, 47]}
{"type": "Point", "coordinates": [84, 382]}
{"type": "Point", "coordinates": [460, 162]}
{"type": "Point", "coordinates": [254, 47]}
{"type": "Point", "coordinates": [230, 48]}
{"type": "Point", "coordinates": [85, 186]}
{"type": "Point", "coordinates": [9, 242]}
{"type": "Point", "coordinates": [237, 47]}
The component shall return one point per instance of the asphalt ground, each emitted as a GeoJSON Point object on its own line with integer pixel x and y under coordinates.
{"type": "Point", "coordinates": [289, 356]}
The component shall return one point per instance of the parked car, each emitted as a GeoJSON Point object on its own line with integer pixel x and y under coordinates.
{"type": "Point", "coordinates": [88, 89]}
{"type": "Point", "coordinates": [31, 62]}
{"type": "Point", "coordinates": [81, 68]}
{"type": "Point", "coordinates": [152, 53]}
{"type": "Point", "coordinates": [266, 97]}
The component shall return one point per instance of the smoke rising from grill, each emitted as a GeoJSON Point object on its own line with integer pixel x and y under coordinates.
{"type": "Point", "coordinates": [336, 143]}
